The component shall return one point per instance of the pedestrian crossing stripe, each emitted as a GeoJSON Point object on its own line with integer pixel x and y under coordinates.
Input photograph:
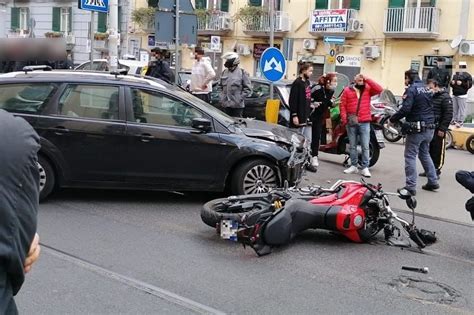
{"type": "Point", "coordinates": [95, 3]}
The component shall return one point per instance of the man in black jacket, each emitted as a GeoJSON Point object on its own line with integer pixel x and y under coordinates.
{"type": "Point", "coordinates": [439, 73]}
{"type": "Point", "coordinates": [300, 104]}
{"type": "Point", "coordinates": [443, 111]}
{"type": "Point", "coordinates": [19, 191]}
{"type": "Point", "coordinates": [461, 83]}
{"type": "Point", "coordinates": [159, 68]}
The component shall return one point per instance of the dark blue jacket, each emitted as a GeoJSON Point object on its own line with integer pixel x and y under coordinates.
{"type": "Point", "coordinates": [416, 104]}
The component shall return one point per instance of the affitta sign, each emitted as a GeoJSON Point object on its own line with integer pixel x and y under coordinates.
{"type": "Point", "coordinates": [324, 19]}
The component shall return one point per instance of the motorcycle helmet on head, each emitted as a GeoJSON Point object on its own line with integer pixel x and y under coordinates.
{"type": "Point", "coordinates": [231, 59]}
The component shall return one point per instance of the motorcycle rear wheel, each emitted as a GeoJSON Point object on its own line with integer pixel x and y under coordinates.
{"type": "Point", "coordinates": [389, 136]}
{"type": "Point", "coordinates": [223, 209]}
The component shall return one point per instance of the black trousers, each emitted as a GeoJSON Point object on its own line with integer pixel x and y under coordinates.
{"type": "Point", "coordinates": [234, 112]}
{"type": "Point", "coordinates": [205, 97]}
{"type": "Point", "coordinates": [438, 150]}
{"type": "Point", "coordinates": [317, 128]}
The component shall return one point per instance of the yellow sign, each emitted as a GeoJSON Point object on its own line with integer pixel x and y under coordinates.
{"type": "Point", "coordinates": [331, 59]}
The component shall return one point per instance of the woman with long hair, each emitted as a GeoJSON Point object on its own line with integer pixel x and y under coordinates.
{"type": "Point", "coordinates": [321, 99]}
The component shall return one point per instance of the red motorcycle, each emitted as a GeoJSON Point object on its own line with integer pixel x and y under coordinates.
{"type": "Point", "coordinates": [357, 210]}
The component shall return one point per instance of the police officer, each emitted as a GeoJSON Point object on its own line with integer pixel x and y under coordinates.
{"type": "Point", "coordinates": [419, 128]}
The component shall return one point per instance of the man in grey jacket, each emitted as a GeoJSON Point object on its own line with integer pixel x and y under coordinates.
{"type": "Point", "coordinates": [235, 84]}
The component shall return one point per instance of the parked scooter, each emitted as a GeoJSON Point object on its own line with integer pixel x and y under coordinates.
{"type": "Point", "coordinates": [357, 210]}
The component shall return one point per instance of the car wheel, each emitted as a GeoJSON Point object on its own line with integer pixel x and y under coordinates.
{"type": "Point", "coordinates": [470, 144]}
{"type": "Point", "coordinates": [46, 178]}
{"type": "Point", "coordinates": [449, 139]}
{"type": "Point", "coordinates": [254, 177]}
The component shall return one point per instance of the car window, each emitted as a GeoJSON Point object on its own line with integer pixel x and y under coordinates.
{"type": "Point", "coordinates": [96, 66]}
{"type": "Point", "coordinates": [27, 98]}
{"type": "Point", "coordinates": [260, 90]}
{"type": "Point", "coordinates": [155, 108]}
{"type": "Point", "coordinates": [90, 101]}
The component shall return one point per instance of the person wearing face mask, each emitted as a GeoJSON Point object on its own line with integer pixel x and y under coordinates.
{"type": "Point", "coordinates": [461, 83]}
{"type": "Point", "coordinates": [356, 116]}
{"type": "Point", "coordinates": [202, 75]}
{"type": "Point", "coordinates": [443, 112]}
{"type": "Point", "coordinates": [439, 73]}
{"type": "Point", "coordinates": [300, 104]}
{"type": "Point", "coordinates": [235, 84]}
{"type": "Point", "coordinates": [419, 129]}
{"type": "Point", "coordinates": [321, 99]}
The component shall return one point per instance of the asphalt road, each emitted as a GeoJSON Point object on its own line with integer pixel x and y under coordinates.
{"type": "Point", "coordinates": [110, 252]}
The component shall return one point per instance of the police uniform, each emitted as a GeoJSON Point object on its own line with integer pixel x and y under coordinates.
{"type": "Point", "coordinates": [19, 194]}
{"type": "Point", "coordinates": [419, 129]}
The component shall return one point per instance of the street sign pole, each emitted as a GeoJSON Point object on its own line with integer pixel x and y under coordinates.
{"type": "Point", "coordinates": [272, 36]}
{"type": "Point", "coordinates": [91, 36]}
{"type": "Point", "coordinates": [113, 35]}
{"type": "Point", "coordinates": [176, 43]}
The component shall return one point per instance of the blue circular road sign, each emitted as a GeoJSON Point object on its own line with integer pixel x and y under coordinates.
{"type": "Point", "coordinates": [273, 64]}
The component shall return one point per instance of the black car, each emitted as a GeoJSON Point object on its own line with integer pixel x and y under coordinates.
{"type": "Point", "coordinates": [110, 131]}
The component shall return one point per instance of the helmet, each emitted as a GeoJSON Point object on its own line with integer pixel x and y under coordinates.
{"type": "Point", "coordinates": [231, 59]}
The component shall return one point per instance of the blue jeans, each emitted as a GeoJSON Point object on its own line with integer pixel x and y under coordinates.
{"type": "Point", "coordinates": [363, 131]}
{"type": "Point", "coordinates": [418, 144]}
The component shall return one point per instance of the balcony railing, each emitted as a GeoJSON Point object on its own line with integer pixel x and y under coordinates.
{"type": "Point", "coordinates": [215, 22]}
{"type": "Point", "coordinates": [419, 22]}
{"type": "Point", "coordinates": [341, 22]}
{"type": "Point", "coordinates": [260, 25]}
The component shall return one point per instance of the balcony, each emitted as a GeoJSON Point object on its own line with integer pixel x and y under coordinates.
{"type": "Point", "coordinates": [341, 22]}
{"type": "Point", "coordinates": [416, 22]}
{"type": "Point", "coordinates": [259, 26]}
{"type": "Point", "coordinates": [215, 23]}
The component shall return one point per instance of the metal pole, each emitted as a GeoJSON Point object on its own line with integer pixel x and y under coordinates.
{"type": "Point", "coordinates": [113, 35]}
{"type": "Point", "coordinates": [272, 36]}
{"type": "Point", "coordinates": [176, 43]}
{"type": "Point", "coordinates": [91, 36]}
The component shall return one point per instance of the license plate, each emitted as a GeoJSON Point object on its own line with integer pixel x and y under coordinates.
{"type": "Point", "coordinates": [379, 135]}
{"type": "Point", "coordinates": [229, 230]}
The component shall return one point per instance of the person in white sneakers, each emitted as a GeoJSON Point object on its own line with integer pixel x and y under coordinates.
{"type": "Point", "coordinates": [356, 116]}
{"type": "Point", "coordinates": [202, 75]}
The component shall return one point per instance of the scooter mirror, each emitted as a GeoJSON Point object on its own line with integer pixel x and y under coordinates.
{"type": "Point", "coordinates": [411, 203]}
{"type": "Point", "coordinates": [404, 194]}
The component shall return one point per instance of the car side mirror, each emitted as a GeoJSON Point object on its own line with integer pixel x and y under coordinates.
{"type": "Point", "coordinates": [202, 124]}
{"type": "Point", "coordinates": [411, 203]}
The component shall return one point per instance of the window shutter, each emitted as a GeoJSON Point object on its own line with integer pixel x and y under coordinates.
{"type": "Point", "coordinates": [396, 3]}
{"type": "Point", "coordinates": [255, 3]}
{"type": "Point", "coordinates": [225, 5]}
{"type": "Point", "coordinates": [102, 22]}
{"type": "Point", "coordinates": [15, 18]}
{"type": "Point", "coordinates": [153, 3]}
{"type": "Point", "coordinates": [321, 4]}
{"type": "Point", "coordinates": [56, 19]}
{"type": "Point", "coordinates": [119, 27]}
{"type": "Point", "coordinates": [433, 3]}
{"type": "Point", "coordinates": [69, 25]}
{"type": "Point", "coordinates": [355, 4]}
{"type": "Point", "coordinates": [201, 4]}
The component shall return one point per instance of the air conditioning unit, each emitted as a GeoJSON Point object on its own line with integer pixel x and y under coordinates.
{"type": "Point", "coordinates": [282, 24]}
{"type": "Point", "coordinates": [243, 50]}
{"type": "Point", "coordinates": [371, 52]}
{"type": "Point", "coordinates": [466, 48]}
{"type": "Point", "coordinates": [355, 25]}
{"type": "Point", "coordinates": [225, 22]}
{"type": "Point", "coordinates": [309, 44]}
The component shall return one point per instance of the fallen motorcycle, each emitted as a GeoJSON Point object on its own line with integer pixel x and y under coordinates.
{"type": "Point", "coordinates": [357, 210]}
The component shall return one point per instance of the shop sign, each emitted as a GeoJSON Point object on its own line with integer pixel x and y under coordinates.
{"type": "Point", "coordinates": [349, 61]}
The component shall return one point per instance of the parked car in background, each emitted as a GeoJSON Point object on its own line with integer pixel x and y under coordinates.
{"type": "Point", "coordinates": [132, 66]}
{"type": "Point", "coordinates": [127, 132]}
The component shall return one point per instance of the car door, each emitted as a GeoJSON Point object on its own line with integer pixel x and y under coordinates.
{"type": "Point", "coordinates": [86, 128]}
{"type": "Point", "coordinates": [165, 151]}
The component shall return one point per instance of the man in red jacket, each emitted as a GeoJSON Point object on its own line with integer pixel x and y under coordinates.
{"type": "Point", "coordinates": [356, 116]}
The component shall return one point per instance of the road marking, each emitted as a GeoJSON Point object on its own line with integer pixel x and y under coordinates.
{"type": "Point", "coordinates": [137, 284]}
{"type": "Point", "coordinates": [431, 217]}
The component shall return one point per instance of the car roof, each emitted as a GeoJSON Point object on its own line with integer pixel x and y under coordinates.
{"type": "Point", "coordinates": [126, 62]}
{"type": "Point", "coordinates": [279, 83]}
{"type": "Point", "coordinates": [58, 75]}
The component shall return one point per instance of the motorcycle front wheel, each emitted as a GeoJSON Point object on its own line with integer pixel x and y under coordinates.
{"type": "Point", "coordinates": [225, 209]}
{"type": "Point", "coordinates": [390, 136]}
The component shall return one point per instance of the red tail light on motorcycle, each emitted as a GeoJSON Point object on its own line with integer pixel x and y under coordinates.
{"type": "Point", "coordinates": [379, 105]}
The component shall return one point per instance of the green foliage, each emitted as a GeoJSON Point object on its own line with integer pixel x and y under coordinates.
{"type": "Point", "coordinates": [248, 14]}
{"type": "Point", "coordinates": [143, 16]}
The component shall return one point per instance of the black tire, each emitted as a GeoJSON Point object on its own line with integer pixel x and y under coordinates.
{"type": "Point", "coordinates": [47, 178]}
{"type": "Point", "coordinates": [470, 144]}
{"type": "Point", "coordinates": [261, 172]}
{"type": "Point", "coordinates": [374, 150]}
{"type": "Point", "coordinates": [390, 137]}
{"type": "Point", "coordinates": [216, 210]}
{"type": "Point", "coordinates": [449, 139]}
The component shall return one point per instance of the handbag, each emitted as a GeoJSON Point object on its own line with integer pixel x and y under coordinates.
{"type": "Point", "coordinates": [353, 119]}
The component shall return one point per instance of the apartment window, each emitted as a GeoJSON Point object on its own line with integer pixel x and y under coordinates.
{"type": "Point", "coordinates": [102, 22]}
{"type": "Point", "coordinates": [62, 19]}
{"type": "Point", "coordinates": [411, 3]}
{"type": "Point", "coordinates": [19, 18]}
{"type": "Point", "coordinates": [265, 3]}
{"type": "Point", "coordinates": [337, 4]}
{"type": "Point", "coordinates": [222, 5]}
